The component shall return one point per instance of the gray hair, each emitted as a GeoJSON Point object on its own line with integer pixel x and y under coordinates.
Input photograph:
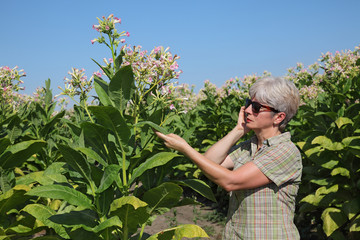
{"type": "Point", "coordinates": [278, 93]}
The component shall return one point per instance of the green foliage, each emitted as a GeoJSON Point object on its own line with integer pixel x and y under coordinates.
{"type": "Point", "coordinates": [89, 174]}
{"type": "Point", "coordinates": [327, 132]}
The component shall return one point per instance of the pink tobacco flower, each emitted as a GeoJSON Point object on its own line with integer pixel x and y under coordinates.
{"type": "Point", "coordinates": [127, 34]}
{"type": "Point", "coordinates": [96, 27]}
{"type": "Point", "coordinates": [97, 74]}
{"type": "Point", "coordinates": [172, 107]}
{"type": "Point", "coordinates": [117, 20]}
{"type": "Point", "coordinates": [122, 40]}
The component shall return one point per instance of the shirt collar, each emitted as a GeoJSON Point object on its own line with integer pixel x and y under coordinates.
{"type": "Point", "coordinates": [284, 137]}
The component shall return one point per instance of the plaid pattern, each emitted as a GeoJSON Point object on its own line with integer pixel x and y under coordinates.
{"type": "Point", "coordinates": [266, 212]}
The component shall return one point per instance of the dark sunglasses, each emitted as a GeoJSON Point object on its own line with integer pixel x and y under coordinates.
{"type": "Point", "coordinates": [257, 106]}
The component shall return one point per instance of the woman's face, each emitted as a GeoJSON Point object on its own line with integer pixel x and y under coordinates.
{"type": "Point", "coordinates": [262, 120]}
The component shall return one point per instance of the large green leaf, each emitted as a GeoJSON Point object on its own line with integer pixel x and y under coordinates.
{"type": "Point", "coordinates": [340, 171]}
{"type": "Point", "coordinates": [42, 177]}
{"type": "Point", "coordinates": [108, 223]}
{"type": "Point", "coordinates": [45, 130]}
{"type": "Point", "coordinates": [13, 198]}
{"type": "Point", "coordinates": [130, 210]}
{"type": "Point", "coordinates": [104, 201]}
{"type": "Point", "coordinates": [110, 174]}
{"type": "Point", "coordinates": [122, 87]}
{"type": "Point", "coordinates": [4, 143]}
{"type": "Point", "coordinates": [166, 195]}
{"type": "Point", "coordinates": [333, 218]}
{"type": "Point", "coordinates": [132, 200]}
{"type": "Point", "coordinates": [341, 121]}
{"type": "Point", "coordinates": [325, 142]}
{"type": "Point", "coordinates": [43, 213]}
{"type": "Point", "coordinates": [118, 60]}
{"type": "Point", "coordinates": [82, 218]}
{"type": "Point", "coordinates": [110, 118]}
{"type": "Point", "coordinates": [76, 161]}
{"type": "Point", "coordinates": [312, 199]}
{"type": "Point", "coordinates": [101, 88]}
{"type": "Point", "coordinates": [158, 159]}
{"type": "Point", "coordinates": [152, 125]}
{"type": "Point", "coordinates": [92, 155]}
{"type": "Point", "coordinates": [17, 154]}
{"type": "Point", "coordinates": [180, 232]}
{"type": "Point", "coordinates": [55, 172]}
{"type": "Point", "coordinates": [62, 192]}
{"type": "Point", "coordinates": [14, 129]}
{"type": "Point", "coordinates": [199, 186]}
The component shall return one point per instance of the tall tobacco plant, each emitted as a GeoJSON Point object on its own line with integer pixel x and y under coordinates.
{"type": "Point", "coordinates": [110, 178]}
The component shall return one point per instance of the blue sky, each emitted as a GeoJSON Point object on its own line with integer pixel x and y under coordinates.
{"type": "Point", "coordinates": [216, 40]}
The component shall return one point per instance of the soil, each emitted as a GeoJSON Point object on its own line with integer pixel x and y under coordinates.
{"type": "Point", "coordinates": [203, 216]}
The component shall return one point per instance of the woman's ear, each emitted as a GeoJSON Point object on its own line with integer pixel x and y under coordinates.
{"type": "Point", "coordinates": [279, 117]}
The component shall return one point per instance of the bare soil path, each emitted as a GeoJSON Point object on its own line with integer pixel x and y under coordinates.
{"type": "Point", "coordinates": [199, 215]}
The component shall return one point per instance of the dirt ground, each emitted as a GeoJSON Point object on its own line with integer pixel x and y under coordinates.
{"type": "Point", "coordinates": [199, 215]}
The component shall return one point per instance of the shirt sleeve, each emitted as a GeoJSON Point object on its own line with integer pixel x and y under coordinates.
{"type": "Point", "coordinates": [280, 163]}
{"type": "Point", "coordinates": [239, 154]}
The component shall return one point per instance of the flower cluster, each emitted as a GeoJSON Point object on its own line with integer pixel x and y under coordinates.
{"type": "Point", "coordinates": [10, 83]}
{"type": "Point", "coordinates": [107, 26]}
{"type": "Point", "coordinates": [159, 66]}
{"type": "Point", "coordinates": [337, 69]}
{"type": "Point", "coordinates": [341, 64]}
{"type": "Point", "coordinates": [152, 71]}
{"type": "Point", "coordinates": [184, 98]}
{"type": "Point", "coordinates": [77, 84]}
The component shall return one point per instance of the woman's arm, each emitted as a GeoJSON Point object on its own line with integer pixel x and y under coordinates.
{"type": "Point", "coordinates": [246, 177]}
{"type": "Point", "coordinates": [219, 151]}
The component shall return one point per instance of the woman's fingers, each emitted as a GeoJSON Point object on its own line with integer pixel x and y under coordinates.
{"type": "Point", "coordinates": [160, 135]}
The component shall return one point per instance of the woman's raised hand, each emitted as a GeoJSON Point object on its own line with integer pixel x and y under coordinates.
{"type": "Point", "coordinates": [241, 124]}
{"type": "Point", "coordinates": [173, 141]}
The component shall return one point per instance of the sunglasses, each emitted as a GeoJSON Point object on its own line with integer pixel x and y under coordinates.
{"type": "Point", "coordinates": [257, 106]}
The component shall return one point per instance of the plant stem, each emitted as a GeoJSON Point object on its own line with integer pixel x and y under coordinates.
{"type": "Point", "coordinates": [112, 51]}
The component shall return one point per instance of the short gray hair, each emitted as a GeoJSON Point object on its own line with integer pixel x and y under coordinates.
{"type": "Point", "coordinates": [278, 93]}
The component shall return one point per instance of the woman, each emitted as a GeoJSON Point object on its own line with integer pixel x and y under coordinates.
{"type": "Point", "coordinates": [262, 174]}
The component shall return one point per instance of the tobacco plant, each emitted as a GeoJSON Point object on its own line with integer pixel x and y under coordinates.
{"type": "Point", "coordinates": [109, 179]}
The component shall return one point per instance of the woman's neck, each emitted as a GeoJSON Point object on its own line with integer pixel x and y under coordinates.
{"type": "Point", "coordinates": [263, 135]}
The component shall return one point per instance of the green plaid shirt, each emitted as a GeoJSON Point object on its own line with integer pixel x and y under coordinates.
{"type": "Point", "coordinates": [266, 212]}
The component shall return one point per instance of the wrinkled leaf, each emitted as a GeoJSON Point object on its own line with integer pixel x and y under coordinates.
{"type": "Point", "coordinates": [341, 171]}
{"type": "Point", "coordinates": [341, 121]}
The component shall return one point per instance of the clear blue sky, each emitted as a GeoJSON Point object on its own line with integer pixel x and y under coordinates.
{"type": "Point", "coordinates": [216, 40]}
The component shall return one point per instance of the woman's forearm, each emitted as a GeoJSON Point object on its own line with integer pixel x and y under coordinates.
{"type": "Point", "coordinates": [218, 152]}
